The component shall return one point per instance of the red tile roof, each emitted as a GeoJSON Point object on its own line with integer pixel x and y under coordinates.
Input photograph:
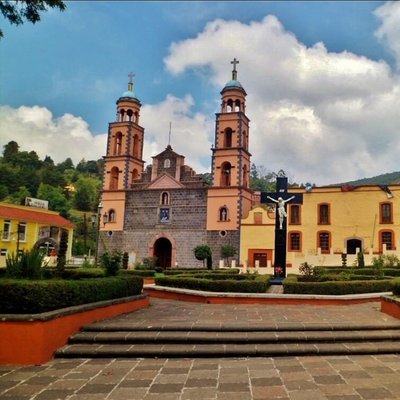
{"type": "Point", "coordinates": [31, 214]}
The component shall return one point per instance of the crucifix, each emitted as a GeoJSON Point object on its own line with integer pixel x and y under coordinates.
{"type": "Point", "coordinates": [281, 197]}
{"type": "Point", "coordinates": [234, 72]}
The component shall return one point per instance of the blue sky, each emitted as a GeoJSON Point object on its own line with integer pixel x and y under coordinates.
{"type": "Point", "coordinates": [322, 80]}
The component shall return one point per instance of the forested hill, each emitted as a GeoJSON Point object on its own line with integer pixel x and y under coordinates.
{"type": "Point", "coordinates": [385, 179]}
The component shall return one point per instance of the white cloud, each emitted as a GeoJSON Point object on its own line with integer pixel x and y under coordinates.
{"type": "Point", "coordinates": [35, 128]}
{"type": "Point", "coordinates": [389, 31]}
{"type": "Point", "coordinates": [323, 117]}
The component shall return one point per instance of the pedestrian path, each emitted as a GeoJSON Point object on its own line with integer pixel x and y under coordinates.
{"type": "Point", "coordinates": [328, 377]}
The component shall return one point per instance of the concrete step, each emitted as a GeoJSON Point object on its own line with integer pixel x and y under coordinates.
{"type": "Point", "coordinates": [259, 337]}
{"type": "Point", "coordinates": [224, 350]}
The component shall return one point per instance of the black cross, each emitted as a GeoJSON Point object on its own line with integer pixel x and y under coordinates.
{"type": "Point", "coordinates": [234, 72]}
{"type": "Point", "coordinates": [281, 197]}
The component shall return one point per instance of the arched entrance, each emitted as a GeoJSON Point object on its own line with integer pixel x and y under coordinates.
{"type": "Point", "coordinates": [163, 252]}
{"type": "Point", "coordinates": [48, 244]}
{"type": "Point", "coordinates": [352, 245]}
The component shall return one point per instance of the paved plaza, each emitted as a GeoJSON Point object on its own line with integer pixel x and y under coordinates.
{"type": "Point", "coordinates": [307, 377]}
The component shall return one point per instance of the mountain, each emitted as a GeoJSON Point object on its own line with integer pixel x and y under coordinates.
{"type": "Point", "coordinates": [384, 179]}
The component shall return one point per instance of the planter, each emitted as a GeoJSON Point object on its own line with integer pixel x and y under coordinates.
{"type": "Point", "coordinates": [33, 338]}
{"type": "Point", "coordinates": [391, 305]}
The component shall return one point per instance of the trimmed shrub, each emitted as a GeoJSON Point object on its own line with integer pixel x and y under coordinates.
{"type": "Point", "coordinates": [396, 287]}
{"type": "Point", "coordinates": [292, 286]}
{"type": "Point", "coordinates": [258, 284]}
{"type": "Point", "coordinates": [196, 271]}
{"type": "Point", "coordinates": [111, 262]}
{"type": "Point", "coordinates": [29, 297]}
{"type": "Point", "coordinates": [145, 273]}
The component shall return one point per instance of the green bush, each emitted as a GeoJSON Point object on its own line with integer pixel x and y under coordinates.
{"type": "Point", "coordinates": [36, 296]}
{"type": "Point", "coordinates": [111, 262]}
{"type": "Point", "coordinates": [27, 265]}
{"type": "Point", "coordinates": [292, 286]}
{"type": "Point", "coordinates": [145, 273]}
{"type": "Point", "coordinates": [196, 271]}
{"type": "Point", "coordinates": [258, 284]}
{"type": "Point", "coordinates": [396, 287]}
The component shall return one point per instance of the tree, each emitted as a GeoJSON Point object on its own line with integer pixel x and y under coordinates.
{"type": "Point", "coordinates": [11, 149]}
{"type": "Point", "coordinates": [85, 198]}
{"type": "Point", "coordinates": [55, 197]}
{"type": "Point", "coordinates": [202, 252]}
{"type": "Point", "coordinates": [62, 252]}
{"type": "Point", "coordinates": [227, 251]}
{"type": "Point", "coordinates": [18, 11]}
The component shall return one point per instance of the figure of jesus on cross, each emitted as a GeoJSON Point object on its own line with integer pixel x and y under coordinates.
{"type": "Point", "coordinates": [281, 208]}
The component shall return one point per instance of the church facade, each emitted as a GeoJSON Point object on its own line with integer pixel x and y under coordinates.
{"type": "Point", "coordinates": [166, 210]}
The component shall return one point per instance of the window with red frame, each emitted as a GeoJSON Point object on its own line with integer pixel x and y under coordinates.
{"type": "Point", "coordinates": [294, 241]}
{"type": "Point", "coordinates": [386, 213]}
{"type": "Point", "coordinates": [324, 242]}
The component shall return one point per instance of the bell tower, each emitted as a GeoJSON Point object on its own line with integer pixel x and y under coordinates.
{"type": "Point", "coordinates": [229, 197]}
{"type": "Point", "coordinates": [123, 163]}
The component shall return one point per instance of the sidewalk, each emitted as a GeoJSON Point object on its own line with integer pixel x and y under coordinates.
{"type": "Point", "coordinates": [294, 378]}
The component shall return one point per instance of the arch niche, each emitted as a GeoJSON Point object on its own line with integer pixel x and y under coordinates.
{"type": "Point", "coordinates": [352, 245]}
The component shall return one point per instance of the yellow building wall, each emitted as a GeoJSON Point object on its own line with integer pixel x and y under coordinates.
{"type": "Point", "coordinates": [353, 215]}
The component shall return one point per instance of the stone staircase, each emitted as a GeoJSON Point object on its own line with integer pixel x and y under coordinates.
{"type": "Point", "coordinates": [180, 341]}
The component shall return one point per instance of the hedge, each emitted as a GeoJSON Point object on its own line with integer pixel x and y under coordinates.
{"type": "Point", "coordinates": [396, 287]}
{"type": "Point", "coordinates": [144, 273]}
{"type": "Point", "coordinates": [195, 271]}
{"type": "Point", "coordinates": [292, 286]}
{"type": "Point", "coordinates": [19, 296]}
{"type": "Point", "coordinates": [259, 284]}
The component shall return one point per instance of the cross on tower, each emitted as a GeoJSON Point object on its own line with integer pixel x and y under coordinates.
{"type": "Point", "coordinates": [234, 72]}
{"type": "Point", "coordinates": [130, 84]}
{"type": "Point", "coordinates": [281, 197]}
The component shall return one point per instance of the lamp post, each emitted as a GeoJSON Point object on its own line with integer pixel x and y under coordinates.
{"type": "Point", "coordinates": [99, 208]}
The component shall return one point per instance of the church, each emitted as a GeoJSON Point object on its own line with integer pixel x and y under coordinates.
{"type": "Point", "coordinates": [165, 210]}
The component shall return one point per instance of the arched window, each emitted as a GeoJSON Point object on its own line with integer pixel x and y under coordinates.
{"type": "Point", "coordinates": [294, 214]}
{"type": "Point", "coordinates": [245, 140]}
{"type": "Point", "coordinates": [114, 174]}
{"type": "Point", "coordinates": [386, 238]}
{"type": "Point", "coordinates": [223, 214]}
{"type": "Point", "coordinates": [229, 106]}
{"type": "Point", "coordinates": [167, 163]}
{"type": "Point", "coordinates": [228, 137]}
{"type": "Point", "coordinates": [245, 175]}
{"type": "Point", "coordinates": [122, 114]}
{"type": "Point", "coordinates": [135, 174]}
{"type": "Point", "coordinates": [237, 105]}
{"type": "Point", "coordinates": [136, 117]}
{"type": "Point", "coordinates": [129, 113]}
{"type": "Point", "coordinates": [324, 242]}
{"type": "Point", "coordinates": [111, 215]}
{"type": "Point", "coordinates": [118, 144]}
{"type": "Point", "coordinates": [294, 241]}
{"type": "Point", "coordinates": [164, 198]}
{"type": "Point", "coordinates": [226, 170]}
{"type": "Point", "coordinates": [324, 217]}
{"type": "Point", "coordinates": [135, 149]}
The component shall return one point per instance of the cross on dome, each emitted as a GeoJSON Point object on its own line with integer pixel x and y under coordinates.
{"type": "Point", "coordinates": [234, 72]}
{"type": "Point", "coordinates": [130, 83]}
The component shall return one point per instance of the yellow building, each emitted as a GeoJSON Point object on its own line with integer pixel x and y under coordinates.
{"type": "Point", "coordinates": [331, 221]}
{"type": "Point", "coordinates": [23, 228]}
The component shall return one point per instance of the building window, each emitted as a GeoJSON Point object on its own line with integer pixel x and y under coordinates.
{"type": "Point", "coordinates": [22, 228]}
{"type": "Point", "coordinates": [258, 218]}
{"type": "Point", "coordinates": [223, 214]}
{"type": "Point", "coordinates": [226, 170]}
{"type": "Point", "coordinates": [164, 198]}
{"type": "Point", "coordinates": [324, 242]}
{"type": "Point", "coordinates": [167, 163]}
{"type": "Point", "coordinates": [6, 230]}
{"type": "Point", "coordinates": [294, 241]}
{"type": "Point", "coordinates": [111, 215]}
{"type": "Point", "coordinates": [294, 214]}
{"type": "Point", "coordinates": [386, 238]}
{"type": "Point", "coordinates": [386, 215]}
{"type": "Point", "coordinates": [228, 137]}
{"type": "Point", "coordinates": [118, 144]}
{"type": "Point", "coordinates": [114, 175]}
{"type": "Point", "coordinates": [324, 214]}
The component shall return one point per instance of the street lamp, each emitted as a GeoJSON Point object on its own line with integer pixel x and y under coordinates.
{"type": "Point", "coordinates": [99, 208]}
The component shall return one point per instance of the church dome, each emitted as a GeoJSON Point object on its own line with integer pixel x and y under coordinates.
{"type": "Point", "coordinates": [233, 84]}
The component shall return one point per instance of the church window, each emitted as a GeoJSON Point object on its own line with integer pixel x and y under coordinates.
{"type": "Point", "coordinates": [229, 106]}
{"type": "Point", "coordinates": [164, 198]}
{"type": "Point", "coordinates": [118, 144]}
{"type": "Point", "coordinates": [323, 214]}
{"type": "Point", "coordinates": [245, 176]}
{"type": "Point", "coordinates": [226, 170]}
{"type": "Point", "coordinates": [386, 215]}
{"type": "Point", "coordinates": [223, 214]}
{"type": "Point", "coordinates": [294, 214]}
{"type": "Point", "coordinates": [386, 238]}
{"type": "Point", "coordinates": [135, 149]}
{"type": "Point", "coordinates": [237, 105]}
{"type": "Point", "coordinates": [129, 113]}
{"type": "Point", "coordinates": [167, 163]}
{"type": "Point", "coordinates": [135, 174]}
{"type": "Point", "coordinates": [324, 242]}
{"type": "Point", "coordinates": [122, 115]}
{"type": "Point", "coordinates": [294, 241]}
{"type": "Point", "coordinates": [111, 215]}
{"type": "Point", "coordinates": [114, 175]}
{"type": "Point", "coordinates": [6, 230]}
{"type": "Point", "coordinates": [136, 117]}
{"type": "Point", "coordinates": [245, 140]}
{"type": "Point", "coordinates": [228, 137]}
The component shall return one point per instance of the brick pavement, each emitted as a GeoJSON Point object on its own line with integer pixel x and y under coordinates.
{"type": "Point", "coordinates": [295, 378]}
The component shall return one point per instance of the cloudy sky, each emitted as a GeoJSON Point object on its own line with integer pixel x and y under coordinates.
{"type": "Point", "coordinates": [322, 78]}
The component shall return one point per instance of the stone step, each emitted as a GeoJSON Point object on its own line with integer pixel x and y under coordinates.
{"type": "Point", "coordinates": [199, 337]}
{"type": "Point", "coordinates": [224, 350]}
